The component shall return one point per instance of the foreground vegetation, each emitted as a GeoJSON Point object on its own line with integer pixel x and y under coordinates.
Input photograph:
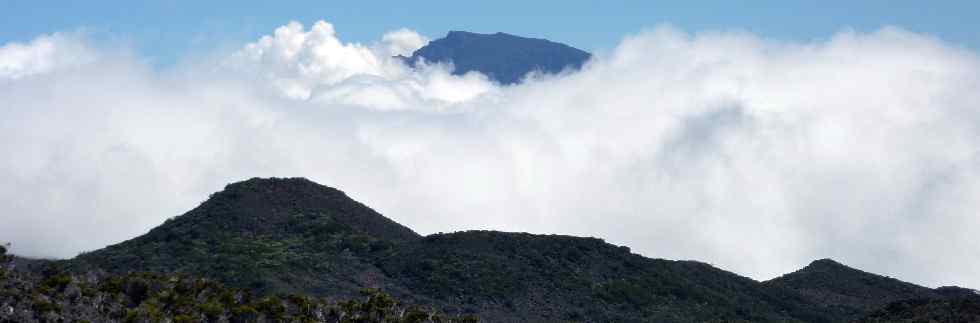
{"type": "Point", "coordinates": [53, 295]}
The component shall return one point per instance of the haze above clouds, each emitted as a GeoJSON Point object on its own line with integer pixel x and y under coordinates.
{"type": "Point", "coordinates": [754, 155]}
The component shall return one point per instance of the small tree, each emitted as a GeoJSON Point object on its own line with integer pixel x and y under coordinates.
{"type": "Point", "coordinates": [4, 258]}
{"type": "Point", "coordinates": [3, 253]}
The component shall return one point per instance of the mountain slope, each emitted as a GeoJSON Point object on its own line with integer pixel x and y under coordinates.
{"type": "Point", "coordinates": [503, 57]}
{"type": "Point", "coordinates": [534, 278]}
{"type": "Point", "coordinates": [951, 309]}
{"type": "Point", "coordinates": [846, 292]}
{"type": "Point", "coordinates": [296, 236]}
{"type": "Point", "coordinates": [271, 235]}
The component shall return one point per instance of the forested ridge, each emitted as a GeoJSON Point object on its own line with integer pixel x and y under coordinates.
{"type": "Point", "coordinates": [267, 250]}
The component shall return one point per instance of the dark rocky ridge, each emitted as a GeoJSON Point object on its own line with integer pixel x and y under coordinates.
{"type": "Point", "coordinates": [502, 57]}
{"type": "Point", "coordinates": [296, 236]}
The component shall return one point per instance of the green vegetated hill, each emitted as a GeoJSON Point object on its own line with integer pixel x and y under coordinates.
{"type": "Point", "coordinates": [525, 277]}
{"type": "Point", "coordinates": [295, 236]}
{"type": "Point", "coordinates": [271, 235]}
{"type": "Point", "coordinates": [845, 292]}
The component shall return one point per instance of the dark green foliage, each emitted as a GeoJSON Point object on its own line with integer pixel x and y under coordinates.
{"type": "Point", "coordinates": [111, 285]}
{"type": "Point", "coordinates": [42, 306]}
{"type": "Point", "coordinates": [956, 309]}
{"type": "Point", "coordinates": [4, 260]}
{"type": "Point", "coordinates": [55, 283]}
{"type": "Point", "coordinates": [844, 293]}
{"type": "Point", "coordinates": [150, 297]}
{"type": "Point", "coordinates": [244, 313]}
{"type": "Point", "coordinates": [272, 306]}
{"type": "Point", "coordinates": [562, 278]}
{"type": "Point", "coordinates": [268, 237]}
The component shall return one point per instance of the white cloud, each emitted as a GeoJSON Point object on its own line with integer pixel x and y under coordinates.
{"type": "Point", "coordinates": [402, 42]}
{"type": "Point", "coordinates": [754, 155]}
{"type": "Point", "coordinates": [316, 65]}
{"type": "Point", "coordinates": [44, 54]}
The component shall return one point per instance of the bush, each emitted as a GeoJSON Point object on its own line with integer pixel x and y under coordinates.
{"type": "Point", "coordinates": [272, 306]}
{"type": "Point", "coordinates": [211, 309]}
{"type": "Point", "coordinates": [111, 286]}
{"type": "Point", "coordinates": [244, 313]}
{"type": "Point", "coordinates": [44, 306]}
{"type": "Point", "coordinates": [4, 259]}
{"type": "Point", "coordinates": [55, 283]}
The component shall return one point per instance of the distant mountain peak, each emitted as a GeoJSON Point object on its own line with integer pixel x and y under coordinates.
{"type": "Point", "coordinates": [458, 34]}
{"type": "Point", "coordinates": [463, 33]}
{"type": "Point", "coordinates": [502, 57]}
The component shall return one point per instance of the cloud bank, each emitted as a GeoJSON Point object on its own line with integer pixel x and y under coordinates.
{"type": "Point", "coordinates": [754, 155]}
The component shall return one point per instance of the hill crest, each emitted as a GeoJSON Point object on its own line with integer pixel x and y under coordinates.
{"type": "Point", "coordinates": [272, 235]}
{"type": "Point", "coordinates": [847, 291]}
{"type": "Point", "coordinates": [266, 205]}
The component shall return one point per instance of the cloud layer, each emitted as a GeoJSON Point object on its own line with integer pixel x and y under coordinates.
{"type": "Point", "coordinates": [754, 155]}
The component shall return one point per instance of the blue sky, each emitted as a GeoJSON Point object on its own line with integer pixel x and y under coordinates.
{"type": "Point", "coordinates": [168, 29]}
